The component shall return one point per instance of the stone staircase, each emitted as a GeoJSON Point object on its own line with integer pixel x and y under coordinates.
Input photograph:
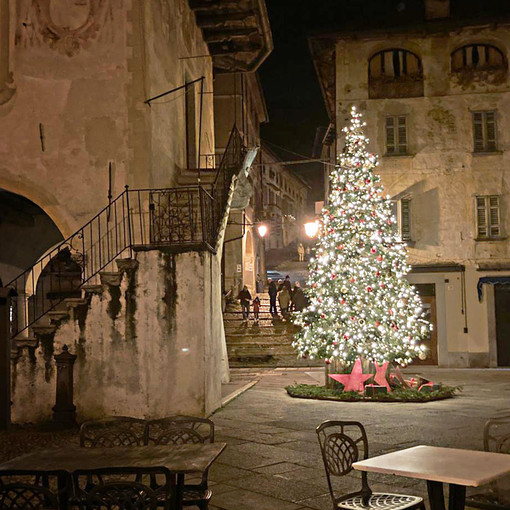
{"type": "Point", "coordinates": [70, 309]}
{"type": "Point", "coordinates": [267, 343]}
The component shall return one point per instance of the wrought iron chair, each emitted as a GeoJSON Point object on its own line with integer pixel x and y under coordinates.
{"type": "Point", "coordinates": [124, 488]}
{"type": "Point", "coordinates": [185, 430]}
{"type": "Point", "coordinates": [342, 443]}
{"type": "Point", "coordinates": [113, 431]}
{"type": "Point", "coordinates": [496, 438]}
{"type": "Point", "coordinates": [33, 489]}
{"type": "Point", "coordinates": [25, 496]}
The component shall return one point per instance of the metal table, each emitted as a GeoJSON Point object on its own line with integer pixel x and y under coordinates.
{"type": "Point", "coordinates": [178, 460]}
{"type": "Point", "coordinates": [458, 468]}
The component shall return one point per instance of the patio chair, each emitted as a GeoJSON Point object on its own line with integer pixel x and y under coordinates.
{"type": "Point", "coordinates": [25, 496]}
{"type": "Point", "coordinates": [496, 438]}
{"type": "Point", "coordinates": [33, 489]}
{"type": "Point", "coordinates": [127, 488]}
{"type": "Point", "coordinates": [185, 430]}
{"type": "Point", "coordinates": [342, 443]}
{"type": "Point", "coordinates": [112, 431]}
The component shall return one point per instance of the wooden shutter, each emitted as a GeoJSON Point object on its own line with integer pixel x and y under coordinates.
{"type": "Point", "coordinates": [395, 215]}
{"type": "Point", "coordinates": [490, 127]}
{"type": "Point", "coordinates": [405, 219]}
{"type": "Point", "coordinates": [402, 135]}
{"type": "Point", "coordinates": [494, 222]}
{"type": "Point", "coordinates": [390, 135]}
{"type": "Point", "coordinates": [479, 145]}
{"type": "Point", "coordinates": [481, 217]}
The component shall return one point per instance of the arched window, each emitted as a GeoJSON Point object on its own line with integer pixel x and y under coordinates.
{"type": "Point", "coordinates": [395, 73]}
{"type": "Point", "coordinates": [482, 57]}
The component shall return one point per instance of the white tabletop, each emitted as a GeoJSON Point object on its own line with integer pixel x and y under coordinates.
{"type": "Point", "coordinates": [449, 465]}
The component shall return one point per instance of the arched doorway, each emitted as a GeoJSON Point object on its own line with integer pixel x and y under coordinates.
{"type": "Point", "coordinates": [26, 233]}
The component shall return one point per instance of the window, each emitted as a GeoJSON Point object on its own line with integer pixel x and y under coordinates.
{"type": "Point", "coordinates": [396, 135]}
{"type": "Point", "coordinates": [488, 217]}
{"type": "Point", "coordinates": [484, 131]}
{"type": "Point", "coordinates": [478, 57]}
{"type": "Point", "coordinates": [402, 213]}
{"type": "Point", "coordinates": [395, 73]}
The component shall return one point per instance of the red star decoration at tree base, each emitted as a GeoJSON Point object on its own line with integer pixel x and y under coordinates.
{"type": "Point", "coordinates": [355, 381]}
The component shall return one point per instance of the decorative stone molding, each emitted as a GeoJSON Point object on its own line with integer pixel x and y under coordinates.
{"type": "Point", "coordinates": [126, 265]}
{"type": "Point", "coordinates": [66, 26]}
{"type": "Point", "coordinates": [113, 279]}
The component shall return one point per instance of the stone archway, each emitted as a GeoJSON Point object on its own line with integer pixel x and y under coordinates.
{"type": "Point", "coordinates": [26, 233]}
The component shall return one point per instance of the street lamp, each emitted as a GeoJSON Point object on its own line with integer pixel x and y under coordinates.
{"type": "Point", "coordinates": [311, 228]}
{"type": "Point", "coordinates": [262, 230]}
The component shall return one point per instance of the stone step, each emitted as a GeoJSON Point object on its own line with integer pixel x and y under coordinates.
{"type": "Point", "coordinates": [272, 362]}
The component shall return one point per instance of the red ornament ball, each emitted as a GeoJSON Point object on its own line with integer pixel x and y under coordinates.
{"type": "Point", "coordinates": [377, 324]}
{"type": "Point", "coordinates": [369, 289]}
{"type": "Point", "coordinates": [314, 285]}
{"type": "Point", "coordinates": [373, 249]}
{"type": "Point", "coordinates": [346, 336]}
{"type": "Point", "coordinates": [304, 356]}
{"type": "Point", "coordinates": [352, 280]}
{"type": "Point", "coordinates": [342, 301]}
{"type": "Point", "coordinates": [340, 246]}
{"type": "Point", "coordinates": [333, 276]}
{"type": "Point", "coordinates": [327, 361]}
{"type": "Point", "coordinates": [378, 273]}
{"type": "Point", "coordinates": [379, 258]}
{"type": "Point", "coordinates": [323, 316]}
{"type": "Point", "coordinates": [335, 343]}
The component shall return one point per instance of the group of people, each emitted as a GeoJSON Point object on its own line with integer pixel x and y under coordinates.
{"type": "Point", "coordinates": [290, 299]}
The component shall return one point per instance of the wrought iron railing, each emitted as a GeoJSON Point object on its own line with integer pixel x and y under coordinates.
{"type": "Point", "coordinates": [186, 218]}
{"type": "Point", "coordinates": [231, 164]}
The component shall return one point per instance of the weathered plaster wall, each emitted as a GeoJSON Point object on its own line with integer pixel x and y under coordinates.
{"type": "Point", "coordinates": [82, 91]}
{"type": "Point", "coordinates": [441, 174]}
{"type": "Point", "coordinates": [149, 348]}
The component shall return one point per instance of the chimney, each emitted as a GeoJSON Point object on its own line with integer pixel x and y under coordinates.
{"type": "Point", "coordinates": [436, 9]}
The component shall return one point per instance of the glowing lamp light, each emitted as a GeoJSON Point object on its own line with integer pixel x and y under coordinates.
{"type": "Point", "coordinates": [311, 228]}
{"type": "Point", "coordinates": [262, 230]}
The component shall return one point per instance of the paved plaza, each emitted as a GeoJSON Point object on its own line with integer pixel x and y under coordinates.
{"type": "Point", "coordinates": [273, 462]}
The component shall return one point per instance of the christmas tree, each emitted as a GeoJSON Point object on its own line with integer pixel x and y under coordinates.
{"type": "Point", "coordinates": [360, 303]}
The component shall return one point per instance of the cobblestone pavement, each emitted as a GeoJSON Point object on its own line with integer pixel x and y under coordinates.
{"type": "Point", "coordinates": [273, 462]}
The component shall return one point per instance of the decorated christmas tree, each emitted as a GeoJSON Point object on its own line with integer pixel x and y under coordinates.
{"type": "Point", "coordinates": [360, 303]}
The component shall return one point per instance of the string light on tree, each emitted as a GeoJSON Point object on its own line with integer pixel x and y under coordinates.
{"type": "Point", "coordinates": [361, 305]}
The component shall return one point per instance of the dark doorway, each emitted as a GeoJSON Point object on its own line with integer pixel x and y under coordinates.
{"type": "Point", "coordinates": [502, 302]}
{"type": "Point", "coordinates": [427, 292]}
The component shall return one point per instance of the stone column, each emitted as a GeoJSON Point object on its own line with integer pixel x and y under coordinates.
{"type": "Point", "coordinates": [64, 411]}
{"type": "Point", "coordinates": [22, 313]}
{"type": "Point", "coordinates": [5, 359]}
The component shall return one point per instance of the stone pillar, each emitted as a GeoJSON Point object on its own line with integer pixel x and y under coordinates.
{"type": "Point", "coordinates": [64, 411]}
{"type": "Point", "coordinates": [5, 359]}
{"type": "Point", "coordinates": [22, 313]}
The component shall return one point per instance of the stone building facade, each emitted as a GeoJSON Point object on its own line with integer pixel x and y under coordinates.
{"type": "Point", "coordinates": [239, 100]}
{"type": "Point", "coordinates": [436, 95]}
{"type": "Point", "coordinates": [284, 201]}
{"type": "Point", "coordinates": [76, 127]}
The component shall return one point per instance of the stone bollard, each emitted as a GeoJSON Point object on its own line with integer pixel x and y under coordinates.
{"type": "Point", "coordinates": [64, 411]}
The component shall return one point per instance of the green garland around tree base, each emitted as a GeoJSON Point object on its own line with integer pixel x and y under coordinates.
{"type": "Point", "coordinates": [315, 392]}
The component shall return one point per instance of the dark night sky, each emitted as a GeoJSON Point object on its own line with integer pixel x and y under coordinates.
{"type": "Point", "coordinates": [294, 100]}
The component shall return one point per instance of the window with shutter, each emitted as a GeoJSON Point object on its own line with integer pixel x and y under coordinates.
{"type": "Point", "coordinates": [396, 135]}
{"type": "Point", "coordinates": [484, 131]}
{"type": "Point", "coordinates": [488, 217]}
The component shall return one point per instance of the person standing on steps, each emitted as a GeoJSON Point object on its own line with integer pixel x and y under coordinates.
{"type": "Point", "coordinates": [287, 283]}
{"type": "Point", "coordinates": [245, 298]}
{"type": "Point", "coordinates": [284, 299]}
{"type": "Point", "coordinates": [256, 308]}
{"type": "Point", "coordinates": [298, 298]}
{"type": "Point", "coordinates": [301, 252]}
{"type": "Point", "coordinates": [273, 292]}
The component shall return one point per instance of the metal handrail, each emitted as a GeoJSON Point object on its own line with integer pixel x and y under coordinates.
{"type": "Point", "coordinates": [188, 217]}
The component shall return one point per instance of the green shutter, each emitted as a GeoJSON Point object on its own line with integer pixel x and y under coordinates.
{"type": "Point", "coordinates": [490, 126]}
{"type": "Point", "coordinates": [479, 145]}
{"type": "Point", "coordinates": [402, 135]}
{"type": "Point", "coordinates": [495, 230]}
{"type": "Point", "coordinates": [481, 217]}
{"type": "Point", "coordinates": [390, 135]}
{"type": "Point", "coordinates": [405, 219]}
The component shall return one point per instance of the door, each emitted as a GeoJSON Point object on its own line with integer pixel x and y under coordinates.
{"type": "Point", "coordinates": [427, 292]}
{"type": "Point", "coordinates": [502, 302]}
